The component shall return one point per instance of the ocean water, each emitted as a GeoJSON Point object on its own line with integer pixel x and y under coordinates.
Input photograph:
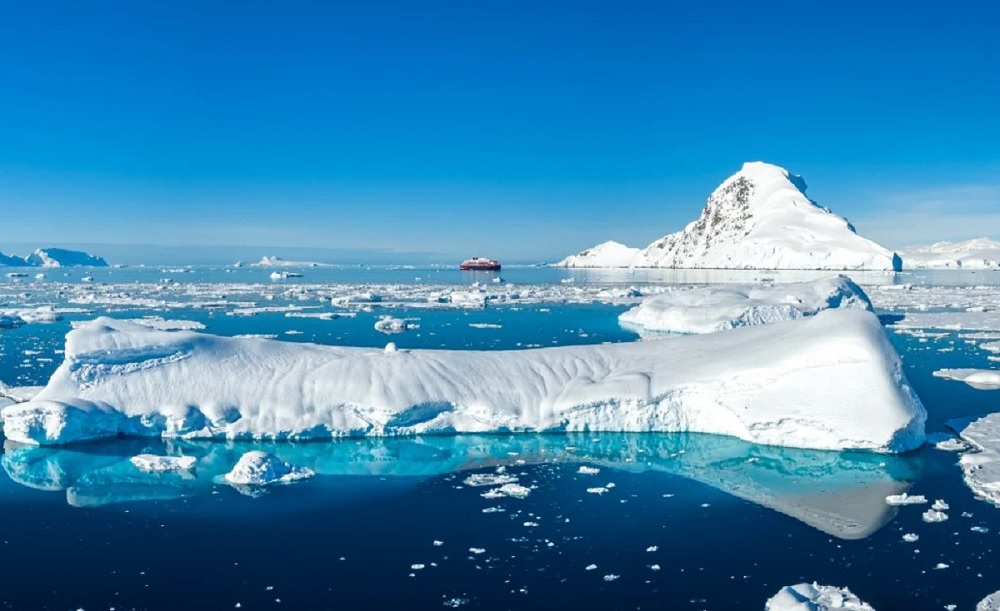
{"type": "Point", "coordinates": [667, 521]}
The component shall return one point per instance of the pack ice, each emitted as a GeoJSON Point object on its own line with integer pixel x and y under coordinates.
{"type": "Point", "coordinates": [718, 308]}
{"type": "Point", "coordinates": [831, 381]}
{"type": "Point", "coordinates": [758, 218]}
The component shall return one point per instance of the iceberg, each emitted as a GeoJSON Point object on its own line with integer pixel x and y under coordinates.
{"type": "Point", "coordinates": [831, 381]}
{"type": "Point", "coordinates": [61, 257]}
{"type": "Point", "coordinates": [718, 308]}
{"type": "Point", "coordinates": [814, 597]}
{"type": "Point", "coordinates": [258, 468]}
{"type": "Point", "coordinates": [759, 218]}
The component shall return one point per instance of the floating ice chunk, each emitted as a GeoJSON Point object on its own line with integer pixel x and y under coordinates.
{"type": "Point", "coordinates": [651, 548]}
{"type": "Point", "coordinates": [933, 515]}
{"type": "Point", "coordinates": [940, 566]}
{"type": "Point", "coordinates": [940, 505]}
{"type": "Point", "coordinates": [489, 479]}
{"type": "Point", "coordinates": [981, 466]}
{"type": "Point", "coordinates": [611, 577]}
{"type": "Point", "coordinates": [831, 381]}
{"type": "Point", "coordinates": [477, 550]}
{"type": "Point", "coordinates": [597, 491]}
{"type": "Point", "coordinates": [258, 468]}
{"type": "Point", "coordinates": [718, 308]}
{"type": "Point", "coordinates": [814, 597]}
{"type": "Point", "coordinates": [590, 567]}
{"type": "Point", "coordinates": [515, 491]}
{"type": "Point", "coordinates": [390, 324]}
{"type": "Point", "coordinates": [981, 379]}
{"type": "Point", "coordinates": [905, 499]}
{"type": "Point", "coordinates": [910, 537]}
{"type": "Point", "coordinates": [585, 470]}
{"type": "Point", "coordinates": [151, 463]}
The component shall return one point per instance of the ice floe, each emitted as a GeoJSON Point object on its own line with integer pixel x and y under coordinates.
{"type": "Point", "coordinates": [152, 463]}
{"type": "Point", "coordinates": [905, 499]}
{"type": "Point", "coordinates": [718, 308]}
{"type": "Point", "coordinates": [831, 381]}
{"type": "Point", "coordinates": [981, 466]}
{"type": "Point", "coordinates": [981, 379]}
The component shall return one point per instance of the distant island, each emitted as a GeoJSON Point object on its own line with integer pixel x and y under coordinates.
{"type": "Point", "coordinates": [53, 257]}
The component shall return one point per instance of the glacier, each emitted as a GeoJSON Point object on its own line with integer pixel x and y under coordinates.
{"type": "Point", "coordinates": [759, 218]}
{"type": "Point", "coordinates": [831, 381]}
{"type": "Point", "coordinates": [718, 308]}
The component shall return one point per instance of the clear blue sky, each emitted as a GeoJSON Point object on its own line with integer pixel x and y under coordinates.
{"type": "Point", "coordinates": [524, 130]}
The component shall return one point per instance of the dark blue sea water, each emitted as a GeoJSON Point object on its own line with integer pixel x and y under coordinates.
{"type": "Point", "coordinates": [670, 521]}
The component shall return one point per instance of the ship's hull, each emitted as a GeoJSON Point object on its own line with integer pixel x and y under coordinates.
{"type": "Point", "coordinates": [479, 268]}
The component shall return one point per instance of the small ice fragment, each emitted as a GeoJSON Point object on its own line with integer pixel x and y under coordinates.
{"type": "Point", "coordinates": [911, 537]}
{"type": "Point", "coordinates": [585, 470]}
{"type": "Point", "coordinates": [940, 505]}
{"type": "Point", "coordinates": [477, 550]}
{"type": "Point", "coordinates": [651, 548]}
{"type": "Point", "coordinates": [905, 499]}
{"type": "Point", "coordinates": [591, 567]}
{"type": "Point", "coordinates": [932, 515]}
{"type": "Point", "coordinates": [611, 577]}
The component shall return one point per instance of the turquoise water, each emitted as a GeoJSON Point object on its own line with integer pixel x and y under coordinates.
{"type": "Point", "coordinates": [725, 522]}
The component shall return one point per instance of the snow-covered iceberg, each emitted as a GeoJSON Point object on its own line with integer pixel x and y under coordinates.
{"type": "Point", "coordinates": [256, 468]}
{"type": "Point", "coordinates": [814, 597]}
{"type": "Point", "coordinates": [718, 308]}
{"type": "Point", "coordinates": [61, 257]}
{"type": "Point", "coordinates": [12, 261]}
{"type": "Point", "coordinates": [759, 218]}
{"type": "Point", "coordinates": [832, 381]}
{"type": "Point", "coordinates": [980, 253]}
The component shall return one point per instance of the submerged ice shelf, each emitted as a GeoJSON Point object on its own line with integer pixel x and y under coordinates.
{"type": "Point", "coordinates": [840, 494]}
{"type": "Point", "coordinates": [832, 381]}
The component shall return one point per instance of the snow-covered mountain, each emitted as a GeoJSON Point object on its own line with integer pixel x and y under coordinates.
{"type": "Point", "coordinates": [61, 257]}
{"type": "Point", "coordinates": [980, 253]}
{"type": "Point", "coordinates": [759, 218]}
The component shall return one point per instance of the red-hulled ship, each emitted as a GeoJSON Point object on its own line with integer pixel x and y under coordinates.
{"type": "Point", "coordinates": [480, 264]}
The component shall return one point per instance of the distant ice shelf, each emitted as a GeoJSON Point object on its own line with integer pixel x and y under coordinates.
{"type": "Point", "coordinates": [831, 381]}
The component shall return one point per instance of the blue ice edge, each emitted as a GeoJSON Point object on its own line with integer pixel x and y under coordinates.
{"type": "Point", "coordinates": [840, 493]}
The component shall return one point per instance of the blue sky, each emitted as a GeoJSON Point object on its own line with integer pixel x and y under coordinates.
{"type": "Point", "coordinates": [523, 130]}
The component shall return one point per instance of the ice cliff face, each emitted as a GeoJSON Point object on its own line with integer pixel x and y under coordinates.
{"type": "Point", "coordinates": [759, 218]}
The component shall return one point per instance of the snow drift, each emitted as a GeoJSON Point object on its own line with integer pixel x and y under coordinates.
{"type": "Point", "coordinates": [831, 381]}
{"type": "Point", "coordinates": [718, 308]}
{"type": "Point", "coordinates": [759, 218]}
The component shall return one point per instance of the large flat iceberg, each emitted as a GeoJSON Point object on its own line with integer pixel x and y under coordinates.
{"type": "Point", "coordinates": [831, 381]}
{"type": "Point", "coordinates": [718, 308]}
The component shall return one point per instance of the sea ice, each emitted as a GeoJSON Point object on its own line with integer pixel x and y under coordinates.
{"type": "Point", "coordinates": [831, 381]}
{"type": "Point", "coordinates": [814, 597]}
{"type": "Point", "coordinates": [990, 603]}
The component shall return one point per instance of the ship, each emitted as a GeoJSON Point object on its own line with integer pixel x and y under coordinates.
{"type": "Point", "coordinates": [480, 264]}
